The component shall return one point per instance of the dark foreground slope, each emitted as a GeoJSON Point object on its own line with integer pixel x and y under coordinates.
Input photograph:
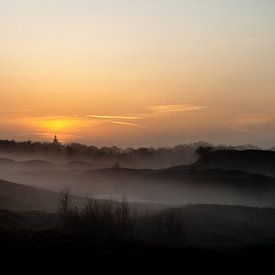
{"type": "Point", "coordinates": [211, 233]}
{"type": "Point", "coordinates": [25, 198]}
{"type": "Point", "coordinates": [22, 197]}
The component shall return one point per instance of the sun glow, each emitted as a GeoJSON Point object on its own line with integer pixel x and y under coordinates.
{"type": "Point", "coordinates": [56, 125]}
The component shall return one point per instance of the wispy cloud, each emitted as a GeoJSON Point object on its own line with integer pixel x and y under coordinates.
{"type": "Point", "coordinates": [151, 112]}
{"type": "Point", "coordinates": [129, 124]}
{"type": "Point", "coordinates": [247, 124]}
{"type": "Point", "coordinates": [107, 117]}
{"type": "Point", "coordinates": [175, 108]}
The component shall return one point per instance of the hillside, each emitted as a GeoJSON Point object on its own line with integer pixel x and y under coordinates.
{"type": "Point", "coordinates": [222, 177]}
{"type": "Point", "coordinates": [23, 197]}
{"type": "Point", "coordinates": [17, 196]}
{"type": "Point", "coordinates": [211, 231]}
{"type": "Point", "coordinates": [253, 161]}
{"type": "Point", "coordinates": [222, 225]}
{"type": "Point", "coordinates": [181, 184]}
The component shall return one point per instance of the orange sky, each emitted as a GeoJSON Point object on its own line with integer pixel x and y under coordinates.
{"type": "Point", "coordinates": [144, 73]}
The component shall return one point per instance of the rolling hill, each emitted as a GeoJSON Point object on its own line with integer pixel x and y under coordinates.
{"type": "Point", "coordinates": [253, 161]}
{"type": "Point", "coordinates": [22, 197]}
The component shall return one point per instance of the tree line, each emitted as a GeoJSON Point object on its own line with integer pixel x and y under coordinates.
{"type": "Point", "coordinates": [149, 157]}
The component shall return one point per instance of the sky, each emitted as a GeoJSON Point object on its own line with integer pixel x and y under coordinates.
{"type": "Point", "coordinates": [138, 73]}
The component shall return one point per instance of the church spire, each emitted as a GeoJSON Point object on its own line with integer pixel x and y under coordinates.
{"type": "Point", "coordinates": [55, 140]}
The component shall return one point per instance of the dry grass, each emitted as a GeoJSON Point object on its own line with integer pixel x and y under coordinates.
{"type": "Point", "coordinates": [115, 217]}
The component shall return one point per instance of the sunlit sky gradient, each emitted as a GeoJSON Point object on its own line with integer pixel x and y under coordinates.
{"type": "Point", "coordinates": [138, 72]}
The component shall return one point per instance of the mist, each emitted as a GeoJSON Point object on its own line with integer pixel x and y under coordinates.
{"type": "Point", "coordinates": [175, 186]}
{"type": "Point", "coordinates": [188, 195]}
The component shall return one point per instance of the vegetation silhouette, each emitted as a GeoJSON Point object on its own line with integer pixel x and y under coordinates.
{"type": "Point", "coordinates": [115, 217]}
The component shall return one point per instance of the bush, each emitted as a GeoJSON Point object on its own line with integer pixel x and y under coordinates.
{"type": "Point", "coordinates": [106, 216]}
{"type": "Point", "coordinates": [114, 217]}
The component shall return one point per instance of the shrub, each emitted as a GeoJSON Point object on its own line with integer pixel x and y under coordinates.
{"type": "Point", "coordinates": [114, 217]}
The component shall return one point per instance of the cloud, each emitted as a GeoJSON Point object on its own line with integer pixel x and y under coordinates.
{"type": "Point", "coordinates": [116, 117]}
{"type": "Point", "coordinates": [129, 124]}
{"type": "Point", "coordinates": [247, 124]}
{"type": "Point", "coordinates": [176, 108]}
{"type": "Point", "coordinates": [151, 112]}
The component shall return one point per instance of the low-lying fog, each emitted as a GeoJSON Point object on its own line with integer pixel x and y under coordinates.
{"type": "Point", "coordinates": [163, 186]}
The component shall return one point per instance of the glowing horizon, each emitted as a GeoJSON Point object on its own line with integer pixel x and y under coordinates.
{"type": "Point", "coordinates": [138, 73]}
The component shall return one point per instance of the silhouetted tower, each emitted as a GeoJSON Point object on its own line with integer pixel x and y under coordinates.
{"type": "Point", "coordinates": [55, 141]}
